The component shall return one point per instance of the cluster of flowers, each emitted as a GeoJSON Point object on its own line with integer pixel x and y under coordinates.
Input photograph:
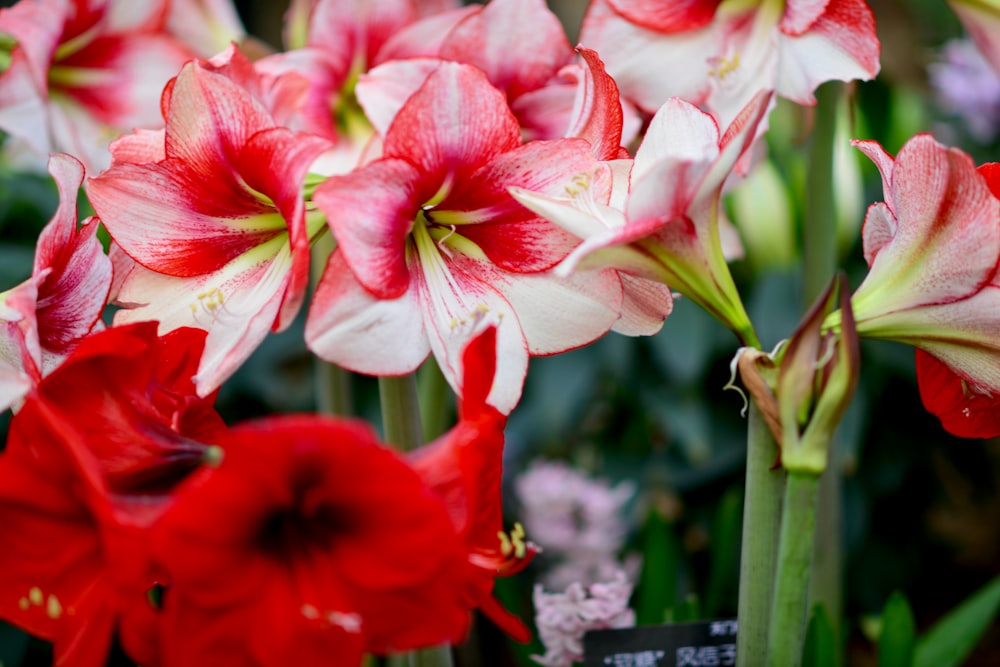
{"type": "Point", "coordinates": [563, 618]}
{"type": "Point", "coordinates": [578, 522]}
{"type": "Point", "coordinates": [131, 510]}
{"type": "Point", "coordinates": [457, 156]}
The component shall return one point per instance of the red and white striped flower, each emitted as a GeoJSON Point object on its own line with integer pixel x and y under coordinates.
{"type": "Point", "coordinates": [211, 211]}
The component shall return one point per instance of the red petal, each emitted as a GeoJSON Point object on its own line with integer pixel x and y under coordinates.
{"type": "Point", "coordinates": [456, 122]}
{"type": "Point", "coordinates": [674, 16]}
{"type": "Point", "coordinates": [515, 60]}
{"type": "Point", "coordinates": [962, 409]}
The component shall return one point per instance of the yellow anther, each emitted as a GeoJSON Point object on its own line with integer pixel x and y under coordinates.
{"type": "Point", "coordinates": [725, 66]}
{"type": "Point", "coordinates": [210, 300]}
{"type": "Point", "coordinates": [517, 538]}
{"type": "Point", "coordinates": [24, 603]}
{"type": "Point", "coordinates": [53, 608]}
{"type": "Point", "coordinates": [35, 595]}
{"type": "Point", "coordinates": [505, 546]}
{"type": "Point", "coordinates": [310, 612]}
{"type": "Point", "coordinates": [214, 456]}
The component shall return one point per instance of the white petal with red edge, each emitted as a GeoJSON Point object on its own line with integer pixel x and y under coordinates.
{"type": "Point", "coordinates": [678, 131]}
{"type": "Point", "coordinates": [349, 327]}
{"type": "Point", "coordinates": [556, 314]}
{"type": "Point", "coordinates": [456, 307]}
{"type": "Point", "coordinates": [237, 305]}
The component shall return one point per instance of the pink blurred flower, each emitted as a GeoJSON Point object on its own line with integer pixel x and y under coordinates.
{"type": "Point", "coordinates": [720, 54]}
{"type": "Point", "coordinates": [82, 72]}
{"type": "Point", "coordinates": [563, 618]}
{"type": "Point", "coordinates": [967, 85]}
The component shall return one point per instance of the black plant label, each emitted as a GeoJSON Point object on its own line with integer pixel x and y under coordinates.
{"type": "Point", "coordinates": [699, 644]}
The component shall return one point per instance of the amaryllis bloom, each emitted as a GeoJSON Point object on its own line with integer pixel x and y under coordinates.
{"type": "Point", "coordinates": [78, 73]}
{"type": "Point", "coordinates": [331, 43]}
{"type": "Point", "coordinates": [431, 245]}
{"type": "Point", "coordinates": [981, 20]}
{"type": "Point", "coordinates": [43, 318]}
{"type": "Point", "coordinates": [89, 463]}
{"type": "Point", "coordinates": [311, 543]}
{"type": "Point", "coordinates": [661, 221]}
{"type": "Point", "coordinates": [552, 92]}
{"type": "Point", "coordinates": [933, 248]}
{"type": "Point", "coordinates": [720, 53]}
{"type": "Point", "coordinates": [464, 468]}
{"type": "Point", "coordinates": [211, 211]}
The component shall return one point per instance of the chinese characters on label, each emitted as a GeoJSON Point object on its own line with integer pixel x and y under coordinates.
{"type": "Point", "coordinates": [638, 659]}
{"type": "Point", "coordinates": [722, 629]}
{"type": "Point", "coordinates": [706, 656]}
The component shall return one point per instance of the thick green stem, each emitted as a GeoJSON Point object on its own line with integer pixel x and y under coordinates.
{"type": "Point", "coordinates": [826, 587]}
{"type": "Point", "coordinates": [437, 656]}
{"type": "Point", "coordinates": [401, 411]}
{"type": "Point", "coordinates": [434, 404]}
{"type": "Point", "coordinates": [789, 611]}
{"type": "Point", "coordinates": [401, 421]}
{"type": "Point", "coordinates": [819, 263]}
{"type": "Point", "coordinates": [819, 233]}
{"type": "Point", "coordinates": [758, 553]}
{"type": "Point", "coordinates": [333, 390]}
{"type": "Point", "coordinates": [332, 383]}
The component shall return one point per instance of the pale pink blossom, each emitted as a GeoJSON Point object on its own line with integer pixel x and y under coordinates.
{"type": "Point", "coordinates": [563, 618]}
{"type": "Point", "coordinates": [580, 522]}
{"type": "Point", "coordinates": [968, 86]}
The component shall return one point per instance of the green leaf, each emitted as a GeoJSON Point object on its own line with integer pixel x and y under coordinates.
{"type": "Point", "coordinates": [657, 590]}
{"type": "Point", "coordinates": [820, 649]}
{"type": "Point", "coordinates": [898, 639]}
{"type": "Point", "coordinates": [723, 573]}
{"type": "Point", "coordinates": [954, 636]}
{"type": "Point", "coordinates": [686, 611]}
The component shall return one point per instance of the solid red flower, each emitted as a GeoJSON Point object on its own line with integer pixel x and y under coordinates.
{"type": "Point", "coordinates": [309, 544]}
{"type": "Point", "coordinates": [89, 463]}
